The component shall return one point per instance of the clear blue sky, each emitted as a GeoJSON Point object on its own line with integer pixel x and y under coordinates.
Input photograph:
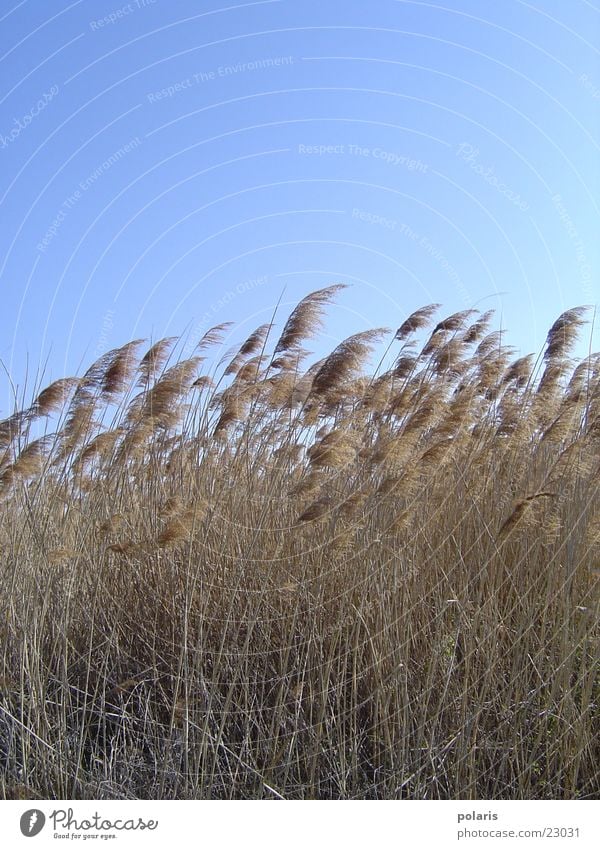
{"type": "Point", "coordinates": [166, 166]}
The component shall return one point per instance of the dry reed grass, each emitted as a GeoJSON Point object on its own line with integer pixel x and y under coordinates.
{"type": "Point", "coordinates": [305, 582]}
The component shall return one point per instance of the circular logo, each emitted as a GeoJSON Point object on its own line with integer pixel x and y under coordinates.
{"type": "Point", "coordinates": [32, 822]}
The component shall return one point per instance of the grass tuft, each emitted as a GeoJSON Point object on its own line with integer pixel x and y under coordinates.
{"type": "Point", "coordinates": [272, 581]}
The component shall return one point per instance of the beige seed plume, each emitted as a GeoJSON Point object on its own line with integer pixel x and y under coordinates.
{"type": "Point", "coordinates": [31, 459]}
{"type": "Point", "coordinates": [204, 382]}
{"type": "Point", "coordinates": [416, 321]}
{"type": "Point", "coordinates": [345, 360]}
{"type": "Point", "coordinates": [120, 366]}
{"type": "Point", "coordinates": [490, 343]}
{"type": "Point", "coordinates": [317, 510]}
{"type": "Point", "coordinates": [53, 397]}
{"type": "Point", "coordinates": [100, 445]}
{"type": "Point", "coordinates": [213, 336]}
{"type": "Point", "coordinates": [334, 450]}
{"type": "Point", "coordinates": [306, 319]}
{"type": "Point", "coordinates": [255, 342]}
{"type": "Point", "coordinates": [474, 333]}
{"type": "Point", "coordinates": [563, 333]}
{"type": "Point", "coordinates": [154, 360]}
{"type": "Point", "coordinates": [11, 428]}
{"type": "Point", "coordinates": [519, 512]}
{"type": "Point", "coordinates": [160, 403]}
{"type": "Point", "coordinates": [519, 372]}
{"type": "Point", "coordinates": [454, 322]}
{"type": "Point", "coordinates": [180, 525]}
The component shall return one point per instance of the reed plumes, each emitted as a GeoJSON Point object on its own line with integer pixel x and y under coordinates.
{"type": "Point", "coordinates": [180, 524]}
{"type": "Point", "coordinates": [53, 397]}
{"type": "Point", "coordinates": [255, 342]}
{"type": "Point", "coordinates": [420, 318]}
{"type": "Point", "coordinates": [563, 333]}
{"type": "Point", "coordinates": [305, 320]}
{"type": "Point", "coordinates": [344, 362]}
{"type": "Point", "coordinates": [520, 511]}
{"type": "Point", "coordinates": [311, 581]}
{"type": "Point", "coordinates": [119, 370]}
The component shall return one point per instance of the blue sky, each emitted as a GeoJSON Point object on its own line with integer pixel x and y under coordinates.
{"type": "Point", "coordinates": [166, 166]}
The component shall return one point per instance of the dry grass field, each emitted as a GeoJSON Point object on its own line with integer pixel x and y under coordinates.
{"type": "Point", "coordinates": [269, 577]}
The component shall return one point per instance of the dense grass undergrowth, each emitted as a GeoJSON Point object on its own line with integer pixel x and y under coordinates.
{"type": "Point", "coordinates": [264, 579]}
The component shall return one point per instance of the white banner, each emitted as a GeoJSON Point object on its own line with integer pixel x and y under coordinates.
{"type": "Point", "coordinates": [302, 824]}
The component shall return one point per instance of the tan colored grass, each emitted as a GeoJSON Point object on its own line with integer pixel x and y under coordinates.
{"type": "Point", "coordinates": [305, 579]}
